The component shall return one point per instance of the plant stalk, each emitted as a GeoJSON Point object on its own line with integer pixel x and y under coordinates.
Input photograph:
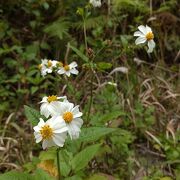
{"type": "Point", "coordinates": [58, 164]}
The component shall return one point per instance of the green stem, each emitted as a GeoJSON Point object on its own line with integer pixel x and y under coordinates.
{"type": "Point", "coordinates": [85, 35]}
{"type": "Point", "coordinates": [91, 98]}
{"type": "Point", "coordinates": [58, 164]}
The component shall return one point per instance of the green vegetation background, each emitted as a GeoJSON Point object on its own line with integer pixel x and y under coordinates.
{"type": "Point", "coordinates": [140, 116]}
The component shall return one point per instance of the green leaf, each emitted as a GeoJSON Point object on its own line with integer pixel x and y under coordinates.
{"type": "Point", "coordinates": [79, 53]}
{"type": "Point", "coordinates": [75, 177]}
{"type": "Point", "coordinates": [65, 166]}
{"type": "Point", "coordinates": [58, 28]}
{"type": "Point", "coordinates": [82, 159]}
{"type": "Point", "coordinates": [14, 175]}
{"type": "Point", "coordinates": [111, 116]}
{"type": "Point", "coordinates": [40, 174]}
{"type": "Point", "coordinates": [94, 133]}
{"type": "Point", "coordinates": [104, 65]}
{"type": "Point", "coordinates": [32, 115]}
{"type": "Point", "coordinates": [48, 155]}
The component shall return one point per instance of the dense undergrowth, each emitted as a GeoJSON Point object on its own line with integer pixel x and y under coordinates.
{"type": "Point", "coordinates": [131, 120]}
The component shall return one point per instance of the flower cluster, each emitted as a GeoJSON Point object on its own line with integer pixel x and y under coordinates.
{"type": "Point", "coordinates": [145, 34]}
{"type": "Point", "coordinates": [95, 3]}
{"type": "Point", "coordinates": [48, 66]}
{"type": "Point", "coordinates": [62, 118]}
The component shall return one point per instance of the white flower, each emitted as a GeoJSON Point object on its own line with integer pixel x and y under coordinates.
{"type": "Point", "coordinates": [52, 132]}
{"type": "Point", "coordinates": [71, 115]}
{"type": "Point", "coordinates": [68, 69]}
{"type": "Point", "coordinates": [49, 104]}
{"type": "Point", "coordinates": [47, 66]}
{"type": "Point", "coordinates": [145, 34]}
{"type": "Point", "coordinates": [95, 3]}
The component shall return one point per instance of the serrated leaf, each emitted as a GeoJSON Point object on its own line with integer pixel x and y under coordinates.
{"type": "Point", "coordinates": [82, 159]}
{"type": "Point", "coordinates": [32, 115]}
{"type": "Point", "coordinates": [94, 133]}
{"type": "Point", "coordinates": [65, 166]}
{"type": "Point", "coordinates": [58, 28]}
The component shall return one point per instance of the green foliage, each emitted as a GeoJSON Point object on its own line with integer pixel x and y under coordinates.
{"type": "Point", "coordinates": [126, 125]}
{"type": "Point", "coordinates": [79, 53]}
{"type": "Point", "coordinates": [92, 134]}
{"type": "Point", "coordinates": [58, 28]}
{"type": "Point", "coordinates": [81, 159]}
{"type": "Point", "coordinates": [32, 115]}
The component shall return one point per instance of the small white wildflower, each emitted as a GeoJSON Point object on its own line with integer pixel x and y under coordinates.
{"type": "Point", "coordinates": [145, 34]}
{"type": "Point", "coordinates": [49, 104]}
{"type": "Point", "coordinates": [52, 132]}
{"type": "Point", "coordinates": [46, 66]}
{"type": "Point", "coordinates": [72, 116]}
{"type": "Point", "coordinates": [68, 69]}
{"type": "Point", "coordinates": [95, 3]}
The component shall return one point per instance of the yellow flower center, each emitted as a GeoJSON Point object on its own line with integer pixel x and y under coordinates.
{"type": "Point", "coordinates": [46, 132]}
{"type": "Point", "coordinates": [66, 67]}
{"type": "Point", "coordinates": [68, 117]}
{"type": "Point", "coordinates": [52, 98]}
{"type": "Point", "coordinates": [40, 66]}
{"type": "Point", "coordinates": [149, 36]}
{"type": "Point", "coordinates": [49, 64]}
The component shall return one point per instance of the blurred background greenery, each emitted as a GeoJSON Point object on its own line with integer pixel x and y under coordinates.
{"type": "Point", "coordinates": [144, 105]}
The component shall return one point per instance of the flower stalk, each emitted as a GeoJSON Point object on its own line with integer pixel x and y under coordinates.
{"type": "Point", "coordinates": [58, 164]}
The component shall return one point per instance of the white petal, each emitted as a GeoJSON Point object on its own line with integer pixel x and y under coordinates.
{"type": "Point", "coordinates": [76, 112]}
{"type": "Point", "coordinates": [36, 128]}
{"type": "Point", "coordinates": [41, 122]}
{"type": "Point", "coordinates": [66, 106]}
{"type": "Point", "coordinates": [38, 137]}
{"type": "Point", "coordinates": [48, 143]}
{"type": "Point", "coordinates": [69, 106]}
{"type": "Point", "coordinates": [44, 144]}
{"type": "Point", "coordinates": [73, 65]}
{"type": "Point", "coordinates": [73, 130]}
{"type": "Point", "coordinates": [142, 29]}
{"type": "Point", "coordinates": [53, 107]}
{"type": "Point", "coordinates": [78, 122]}
{"type": "Point", "coordinates": [44, 109]}
{"type": "Point", "coordinates": [68, 73]}
{"type": "Point", "coordinates": [59, 139]}
{"type": "Point", "coordinates": [49, 70]}
{"type": "Point", "coordinates": [58, 124]}
{"type": "Point", "coordinates": [148, 29]}
{"type": "Point", "coordinates": [139, 33]}
{"type": "Point", "coordinates": [140, 40]}
{"type": "Point", "coordinates": [62, 97]}
{"type": "Point", "coordinates": [44, 99]}
{"type": "Point", "coordinates": [54, 62]}
{"type": "Point", "coordinates": [74, 71]}
{"type": "Point", "coordinates": [151, 45]}
{"type": "Point", "coordinates": [61, 71]}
